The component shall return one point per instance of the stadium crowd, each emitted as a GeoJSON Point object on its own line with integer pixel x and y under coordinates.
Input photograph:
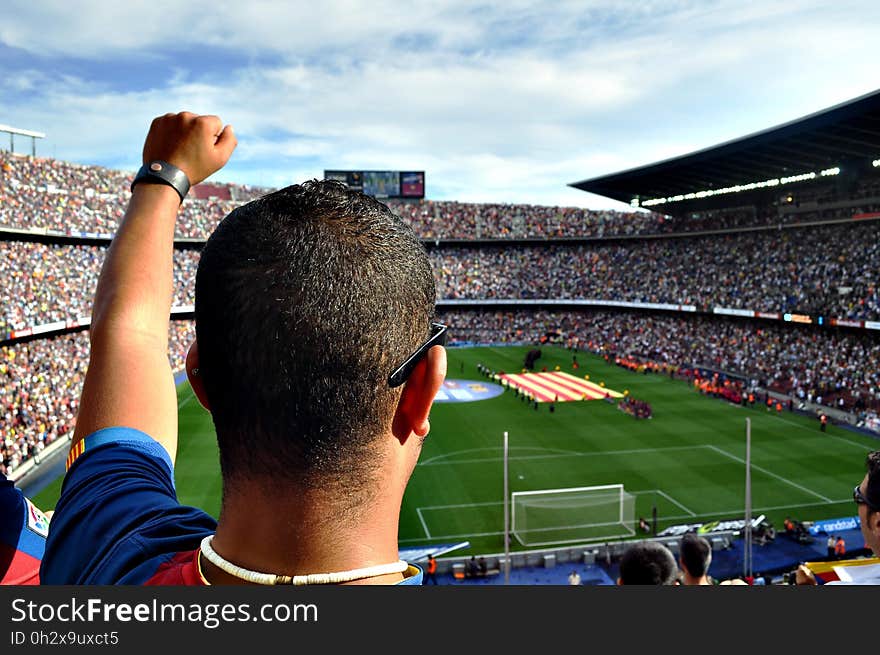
{"type": "Point", "coordinates": [40, 379]}
{"type": "Point", "coordinates": [838, 368]}
{"type": "Point", "coordinates": [39, 192]}
{"type": "Point", "coordinates": [830, 270]}
{"type": "Point", "coordinates": [40, 385]}
{"type": "Point", "coordinates": [50, 282]}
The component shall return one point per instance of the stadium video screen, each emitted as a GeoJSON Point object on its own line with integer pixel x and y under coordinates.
{"type": "Point", "coordinates": [412, 185]}
{"type": "Point", "coordinates": [354, 179]}
{"type": "Point", "coordinates": [382, 184]}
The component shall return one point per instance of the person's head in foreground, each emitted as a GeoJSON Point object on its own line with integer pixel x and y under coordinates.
{"type": "Point", "coordinates": [647, 563]}
{"type": "Point", "coordinates": [866, 495]}
{"type": "Point", "coordinates": [694, 558]}
{"type": "Point", "coordinates": [315, 353]}
{"type": "Point", "coordinates": [308, 300]}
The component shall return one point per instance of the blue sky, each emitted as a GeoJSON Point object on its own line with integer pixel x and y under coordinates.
{"type": "Point", "coordinates": [497, 102]}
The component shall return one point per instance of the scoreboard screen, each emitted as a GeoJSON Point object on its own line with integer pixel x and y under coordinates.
{"type": "Point", "coordinates": [412, 185]}
{"type": "Point", "coordinates": [382, 184]}
{"type": "Point", "coordinates": [354, 179]}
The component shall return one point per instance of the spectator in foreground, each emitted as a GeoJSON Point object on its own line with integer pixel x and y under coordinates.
{"type": "Point", "coordinates": [694, 558]}
{"type": "Point", "coordinates": [647, 563]}
{"type": "Point", "coordinates": [23, 530]}
{"type": "Point", "coordinates": [315, 354]}
{"type": "Point", "coordinates": [866, 495]}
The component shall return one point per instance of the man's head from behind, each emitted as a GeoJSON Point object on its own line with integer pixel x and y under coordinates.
{"type": "Point", "coordinates": [306, 300]}
{"type": "Point", "coordinates": [647, 563]}
{"type": "Point", "coordinates": [695, 556]}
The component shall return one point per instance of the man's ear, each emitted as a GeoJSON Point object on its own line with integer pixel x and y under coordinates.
{"type": "Point", "coordinates": [192, 373]}
{"type": "Point", "coordinates": [874, 525]}
{"type": "Point", "coordinates": [418, 395]}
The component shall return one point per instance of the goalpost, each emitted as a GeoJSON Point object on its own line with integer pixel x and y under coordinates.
{"type": "Point", "coordinates": [555, 516]}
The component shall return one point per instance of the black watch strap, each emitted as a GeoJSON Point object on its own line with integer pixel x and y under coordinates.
{"type": "Point", "coordinates": [161, 172]}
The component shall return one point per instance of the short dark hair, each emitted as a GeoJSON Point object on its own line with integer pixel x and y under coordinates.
{"type": "Point", "coordinates": [695, 553]}
{"type": "Point", "coordinates": [306, 299]}
{"type": "Point", "coordinates": [872, 486]}
{"type": "Point", "coordinates": [648, 563]}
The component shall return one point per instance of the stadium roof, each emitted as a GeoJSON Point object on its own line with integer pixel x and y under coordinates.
{"type": "Point", "coordinates": [818, 142]}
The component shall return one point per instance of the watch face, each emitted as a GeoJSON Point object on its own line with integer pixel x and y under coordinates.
{"type": "Point", "coordinates": [160, 172]}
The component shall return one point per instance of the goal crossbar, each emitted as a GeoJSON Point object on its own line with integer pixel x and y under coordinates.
{"type": "Point", "coordinates": [567, 515]}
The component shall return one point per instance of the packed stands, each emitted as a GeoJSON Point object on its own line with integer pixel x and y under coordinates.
{"type": "Point", "coordinates": [40, 385]}
{"type": "Point", "coordinates": [829, 270]}
{"type": "Point", "coordinates": [44, 193]}
{"type": "Point", "coordinates": [41, 193]}
{"type": "Point", "coordinates": [40, 379]}
{"type": "Point", "coordinates": [839, 368]}
{"type": "Point", "coordinates": [762, 262]}
{"type": "Point", "coordinates": [53, 282]}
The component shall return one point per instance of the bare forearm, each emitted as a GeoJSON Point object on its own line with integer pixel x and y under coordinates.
{"type": "Point", "coordinates": [135, 289]}
{"type": "Point", "coordinates": [129, 382]}
{"type": "Point", "coordinates": [129, 329]}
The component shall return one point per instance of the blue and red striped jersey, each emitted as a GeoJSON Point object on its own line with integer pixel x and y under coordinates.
{"type": "Point", "coordinates": [118, 520]}
{"type": "Point", "coordinates": [23, 530]}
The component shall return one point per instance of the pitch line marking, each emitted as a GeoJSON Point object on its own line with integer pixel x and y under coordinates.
{"type": "Point", "coordinates": [665, 495]}
{"type": "Point", "coordinates": [490, 503]}
{"type": "Point", "coordinates": [435, 460]}
{"type": "Point", "coordinates": [461, 505]}
{"type": "Point", "coordinates": [449, 537]}
{"type": "Point", "coordinates": [424, 524]}
{"type": "Point", "coordinates": [771, 474]}
{"type": "Point", "coordinates": [673, 501]}
{"type": "Point", "coordinates": [665, 518]}
{"type": "Point", "coordinates": [429, 508]}
{"type": "Point", "coordinates": [833, 436]}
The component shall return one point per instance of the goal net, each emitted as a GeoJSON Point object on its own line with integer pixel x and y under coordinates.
{"type": "Point", "coordinates": [555, 516]}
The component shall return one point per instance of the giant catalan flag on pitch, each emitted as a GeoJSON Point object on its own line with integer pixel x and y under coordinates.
{"type": "Point", "coordinates": [557, 386]}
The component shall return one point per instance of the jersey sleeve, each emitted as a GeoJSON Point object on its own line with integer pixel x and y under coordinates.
{"type": "Point", "coordinates": [23, 529]}
{"type": "Point", "coordinates": [118, 518]}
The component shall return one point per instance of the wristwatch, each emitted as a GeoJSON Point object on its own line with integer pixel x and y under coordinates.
{"type": "Point", "coordinates": [161, 172]}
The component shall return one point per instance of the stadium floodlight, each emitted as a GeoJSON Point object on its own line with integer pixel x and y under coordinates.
{"type": "Point", "coordinates": [12, 131]}
{"type": "Point", "coordinates": [556, 516]}
{"type": "Point", "coordinates": [739, 188]}
{"type": "Point", "coordinates": [797, 178]}
{"type": "Point", "coordinates": [876, 163]}
{"type": "Point", "coordinates": [15, 130]}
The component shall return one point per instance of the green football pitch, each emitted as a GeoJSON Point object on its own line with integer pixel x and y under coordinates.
{"type": "Point", "coordinates": [687, 462]}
